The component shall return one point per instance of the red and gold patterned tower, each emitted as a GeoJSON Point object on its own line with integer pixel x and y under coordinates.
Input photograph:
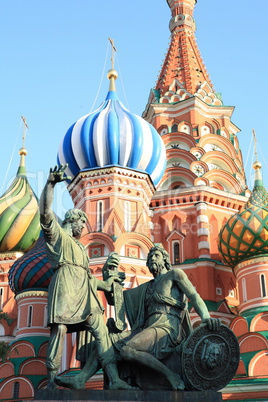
{"type": "Point", "coordinates": [204, 182]}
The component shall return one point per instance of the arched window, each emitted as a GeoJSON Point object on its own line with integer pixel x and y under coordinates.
{"type": "Point", "coordinates": [244, 290]}
{"type": "Point", "coordinates": [30, 316]}
{"type": "Point", "coordinates": [99, 216]}
{"type": "Point", "coordinates": [16, 390]}
{"type": "Point", "coordinates": [127, 216]}
{"type": "Point", "coordinates": [263, 285]}
{"type": "Point", "coordinates": [176, 252]}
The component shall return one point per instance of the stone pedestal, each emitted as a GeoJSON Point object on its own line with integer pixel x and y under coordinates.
{"type": "Point", "coordinates": [126, 396]}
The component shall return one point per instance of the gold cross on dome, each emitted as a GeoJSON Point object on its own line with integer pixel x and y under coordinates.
{"type": "Point", "coordinates": [113, 51]}
{"type": "Point", "coordinates": [25, 128]}
{"type": "Point", "coordinates": [255, 145]}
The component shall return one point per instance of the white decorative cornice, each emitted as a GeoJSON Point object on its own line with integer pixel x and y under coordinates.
{"type": "Point", "coordinates": [107, 171]}
{"type": "Point", "coordinates": [31, 293]}
{"type": "Point", "coordinates": [255, 260]}
{"type": "Point", "coordinates": [181, 20]}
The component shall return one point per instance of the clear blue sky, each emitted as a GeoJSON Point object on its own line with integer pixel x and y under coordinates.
{"type": "Point", "coordinates": [53, 56]}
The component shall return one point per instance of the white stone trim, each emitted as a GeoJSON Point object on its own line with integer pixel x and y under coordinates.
{"type": "Point", "coordinates": [202, 232]}
{"type": "Point", "coordinates": [236, 389]}
{"type": "Point", "coordinates": [248, 305]}
{"type": "Point", "coordinates": [204, 256]}
{"type": "Point", "coordinates": [203, 244]}
{"type": "Point", "coordinates": [240, 273]}
{"type": "Point", "coordinates": [202, 218]}
{"type": "Point", "coordinates": [123, 260]}
{"type": "Point", "coordinates": [201, 205]}
{"type": "Point", "coordinates": [44, 332]}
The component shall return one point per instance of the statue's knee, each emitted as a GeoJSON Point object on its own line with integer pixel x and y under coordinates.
{"type": "Point", "coordinates": [126, 352]}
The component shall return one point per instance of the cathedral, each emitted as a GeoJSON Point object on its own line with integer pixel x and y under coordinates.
{"type": "Point", "coordinates": [173, 176]}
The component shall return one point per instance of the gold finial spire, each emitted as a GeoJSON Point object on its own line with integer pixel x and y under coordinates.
{"type": "Point", "coordinates": [23, 150]}
{"type": "Point", "coordinates": [256, 164]}
{"type": "Point", "coordinates": [112, 74]}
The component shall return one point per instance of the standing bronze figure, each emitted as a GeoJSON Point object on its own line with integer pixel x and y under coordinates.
{"type": "Point", "coordinates": [73, 304]}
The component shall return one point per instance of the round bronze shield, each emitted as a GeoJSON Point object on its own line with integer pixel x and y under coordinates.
{"type": "Point", "coordinates": [209, 358]}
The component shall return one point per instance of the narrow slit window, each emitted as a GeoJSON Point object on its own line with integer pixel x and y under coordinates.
{"type": "Point", "coordinates": [263, 286]}
{"type": "Point", "coordinates": [100, 216]}
{"type": "Point", "coordinates": [244, 289]}
{"type": "Point", "coordinates": [30, 316]}
{"type": "Point", "coordinates": [1, 298]}
{"type": "Point", "coordinates": [176, 253]}
{"type": "Point", "coordinates": [127, 216]}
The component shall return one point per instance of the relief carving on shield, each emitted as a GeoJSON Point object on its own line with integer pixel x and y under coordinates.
{"type": "Point", "coordinates": [209, 358]}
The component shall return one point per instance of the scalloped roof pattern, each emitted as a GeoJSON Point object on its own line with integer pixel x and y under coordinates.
{"type": "Point", "coordinates": [32, 270]}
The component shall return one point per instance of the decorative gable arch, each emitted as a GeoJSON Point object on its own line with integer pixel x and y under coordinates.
{"type": "Point", "coordinates": [239, 326]}
{"type": "Point", "coordinates": [258, 365]}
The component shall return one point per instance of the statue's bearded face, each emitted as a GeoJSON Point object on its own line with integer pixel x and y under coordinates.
{"type": "Point", "coordinates": [156, 262]}
{"type": "Point", "coordinates": [77, 227]}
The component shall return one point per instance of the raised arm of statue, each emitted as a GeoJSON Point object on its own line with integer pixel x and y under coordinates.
{"type": "Point", "coordinates": [56, 175]}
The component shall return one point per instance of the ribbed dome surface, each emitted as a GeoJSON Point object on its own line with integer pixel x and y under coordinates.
{"type": "Point", "coordinates": [32, 270]}
{"type": "Point", "coordinates": [19, 215]}
{"type": "Point", "coordinates": [112, 135]}
{"type": "Point", "coordinates": [245, 235]}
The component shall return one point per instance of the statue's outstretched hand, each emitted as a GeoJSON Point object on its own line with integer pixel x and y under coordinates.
{"type": "Point", "coordinates": [110, 269]}
{"type": "Point", "coordinates": [57, 174]}
{"type": "Point", "coordinates": [212, 323]}
{"type": "Point", "coordinates": [120, 277]}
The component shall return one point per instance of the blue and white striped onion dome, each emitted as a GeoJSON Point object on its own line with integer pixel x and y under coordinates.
{"type": "Point", "coordinates": [112, 136]}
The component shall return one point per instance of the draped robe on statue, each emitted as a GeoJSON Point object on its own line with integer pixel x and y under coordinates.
{"type": "Point", "coordinates": [72, 292]}
{"type": "Point", "coordinates": [159, 324]}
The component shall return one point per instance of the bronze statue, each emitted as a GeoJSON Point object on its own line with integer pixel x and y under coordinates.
{"type": "Point", "coordinates": [158, 315]}
{"type": "Point", "coordinates": [73, 304]}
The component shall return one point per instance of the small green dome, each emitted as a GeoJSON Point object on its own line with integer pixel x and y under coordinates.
{"type": "Point", "coordinates": [245, 235]}
{"type": "Point", "coordinates": [19, 213]}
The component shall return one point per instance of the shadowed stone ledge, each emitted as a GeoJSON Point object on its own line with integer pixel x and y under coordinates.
{"type": "Point", "coordinates": [126, 396]}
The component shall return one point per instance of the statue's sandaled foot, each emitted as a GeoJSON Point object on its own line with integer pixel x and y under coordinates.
{"type": "Point", "coordinates": [73, 382]}
{"type": "Point", "coordinates": [176, 383]}
{"type": "Point", "coordinates": [120, 384]}
{"type": "Point", "coordinates": [51, 385]}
